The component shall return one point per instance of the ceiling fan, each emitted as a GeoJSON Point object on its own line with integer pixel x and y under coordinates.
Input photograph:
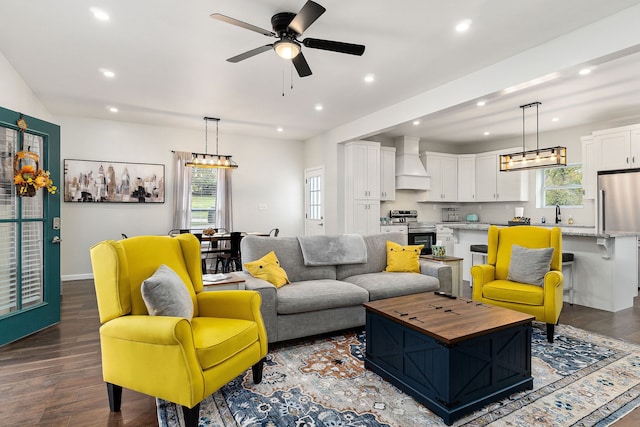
{"type": "Point", "coordinates": [287, 27]}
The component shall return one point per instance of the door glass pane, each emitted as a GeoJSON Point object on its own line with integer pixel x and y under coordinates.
{"type": "Point", "coordinates": [8, 268]}
{"type": "Point", "coordinates": [32, 261]}
{"type": "Point", "coordinates": [314, 198]}
{"type": "Point", "coordinates": [8, 141]}
{"type": "Point", "coordinates": [32, 207]}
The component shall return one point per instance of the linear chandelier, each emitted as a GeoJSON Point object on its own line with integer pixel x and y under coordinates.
{"type": "Point", "coordinates": [533, 159]}
{"type": "Point", "coordinates": [206, 160]}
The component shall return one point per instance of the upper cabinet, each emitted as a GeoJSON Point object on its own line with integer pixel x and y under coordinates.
{"type": "Point", "coordinates": [443, 170]}
{"type": "Point", "coordinates": [362, 163]}
{"type": "Point", "coordinates": [467, 178]}
{"type": "Point", "coordinates": [387, 173]}
{"type": "Point", "coordinates": [618, 148]}
{"type": "Point", "coordinates": [495, 186]}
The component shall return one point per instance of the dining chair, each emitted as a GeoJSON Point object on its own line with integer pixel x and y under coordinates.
{"type": "Point", "coordinates": [230, 261]}
{"type": "Point", "coordinates": [274, 232]}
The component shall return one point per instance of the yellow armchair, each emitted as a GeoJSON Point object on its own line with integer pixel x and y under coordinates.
{"type": "Point", "coordinates": [490, 284]}
{"type": "Point", "coordinates": [179, 360]}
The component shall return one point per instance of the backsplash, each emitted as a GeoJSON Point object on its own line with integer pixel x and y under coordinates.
{"type": "Point", "coordinates": [491, 212]}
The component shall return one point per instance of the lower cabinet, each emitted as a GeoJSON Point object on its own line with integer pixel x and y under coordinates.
{"type": "Point", "coordinates": [363, 217]}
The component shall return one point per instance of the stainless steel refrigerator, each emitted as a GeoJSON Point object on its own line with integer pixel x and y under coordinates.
{"type": "Point", "coordinates": [619, 200]}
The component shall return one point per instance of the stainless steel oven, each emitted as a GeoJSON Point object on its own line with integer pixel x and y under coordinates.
{"type": "Point", "coordinates": [420, 232]}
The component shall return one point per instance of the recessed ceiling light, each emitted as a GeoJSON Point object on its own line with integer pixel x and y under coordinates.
{"type": "Point", "coordinates": [585, 71]}
{"type": "Point", "coordinates": [99, 14]}
{"type": "Point", "coordinates": [463, 25]}
{"type": "Point", "coordinates": [416, 122]}
{"type": "Point", "coordinates": [319, 107]}
{"type": "Point", "coordinates": [108, 73]}
{"type": "Point", "coordinates": [555, 119]}
{"type": "Point", "coordinates": [487, 133]}
{"type": "Point", "coordinates": [481, 103]}
{"type": "Point", "coordinates": [113, 109]}
{"type": "Point", "coordinates": [369, 78]}
{"type": "Point", "coordinates": [280, 129]}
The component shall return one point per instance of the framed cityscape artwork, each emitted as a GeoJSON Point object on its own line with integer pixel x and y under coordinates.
{"type": "Point", "coordinates": [97, 181]}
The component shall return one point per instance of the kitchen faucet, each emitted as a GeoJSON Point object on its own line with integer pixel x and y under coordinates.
{"type": "Point", "coordinates": [558, 216]}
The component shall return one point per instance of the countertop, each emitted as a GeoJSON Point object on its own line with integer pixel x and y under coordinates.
{"type": "Point", "coordinates": [567, 230]}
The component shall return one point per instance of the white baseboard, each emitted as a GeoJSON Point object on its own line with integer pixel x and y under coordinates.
{"type": "Point", "coordinates": [72, 277]}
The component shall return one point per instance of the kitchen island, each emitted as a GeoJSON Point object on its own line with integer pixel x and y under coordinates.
{"type": "Point", "coordinates": [605, 267]}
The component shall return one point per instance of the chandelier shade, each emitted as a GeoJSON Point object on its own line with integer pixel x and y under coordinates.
{"type": "Point", "coordinates": [206, 160]}
{"type": "Point", "coordinates": [533, 159]}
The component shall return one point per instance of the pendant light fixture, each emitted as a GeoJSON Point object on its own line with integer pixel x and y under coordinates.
{"type": "Point", "coordinates": [533, 159]}
{"type": "Point", "coordinates": [206, 160]}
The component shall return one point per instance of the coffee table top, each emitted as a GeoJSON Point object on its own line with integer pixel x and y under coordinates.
{"type": "Point", "coordinates": [445, 319]}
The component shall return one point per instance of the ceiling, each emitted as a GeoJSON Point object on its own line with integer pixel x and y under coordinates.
{"type": "Point", "coordinates": [169, 60]}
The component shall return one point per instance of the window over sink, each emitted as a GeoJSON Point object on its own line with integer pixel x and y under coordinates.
{"type": "Point", "coordinates": [561, 186]}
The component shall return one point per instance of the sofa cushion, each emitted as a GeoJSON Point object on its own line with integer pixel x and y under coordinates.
{"type": "Point", "coordinates": [376, 255]}
{"type": "Point", "coordinates": [387, 285]}
{"type": "Point", "coordinates": [268, 268]}
{"type": "Point", "coordinates": [403, 258]}
{"type": "Point", "coordinates": [289, 254]}
{"type": "Point", "coordinates": [313, 295]}
{"type": "Point", "coordinates": [507, 291]}
{"type": "Point", "coordinates": [217, 339]}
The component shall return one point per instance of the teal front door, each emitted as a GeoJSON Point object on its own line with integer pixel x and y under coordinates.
{"type": "Point", "coordinates": [29, 229]}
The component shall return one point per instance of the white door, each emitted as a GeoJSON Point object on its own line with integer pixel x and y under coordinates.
{"type": "Point", "coordinates": [314, 201]}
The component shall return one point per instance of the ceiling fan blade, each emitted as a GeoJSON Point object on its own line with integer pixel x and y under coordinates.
{"type": "Point", "coordinates": [301, 65]}
{"type": "Point", "coordinates": [233, 21]}
{"type": "Point", "coordinates": [250, 53]}
{"type": "Point", "coordinates": [342, 47]}
{"type": "Point", "coordinates": [307, 16]}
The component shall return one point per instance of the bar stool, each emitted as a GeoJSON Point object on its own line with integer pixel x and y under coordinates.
{"type": "Point", "coordinates": [568, 260]}
{"type": "Point", "coordinates": [479, 250]}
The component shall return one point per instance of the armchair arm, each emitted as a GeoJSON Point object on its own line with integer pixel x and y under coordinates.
{"type": "Point", "coordinates": [269, 307]}
{"type": "Point", "coordinates": [154, 355]}
{"type": "Point", "coordinates": [553, 290]}
{"type": "Point", "coordinates": [440, 271]}
{"type": "Point", "coordinates": [481, 274]}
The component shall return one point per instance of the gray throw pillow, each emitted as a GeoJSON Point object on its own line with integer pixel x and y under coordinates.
{"type": "Point", "coordinates": [165, 294]}
{"type": "Point", "coordinates": [529, 265]}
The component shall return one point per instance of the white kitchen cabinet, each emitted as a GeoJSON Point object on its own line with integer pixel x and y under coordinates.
{"type": "Point", "coordinates": [387, 173]}
{"type": "Point", "coordinates": [616, 149]}
{"type": "Point", "coordinates": [362, 187]}
{"type": "Point", "coordinates": [467, 178]}
{"type": "Point", "coordinates": [495, 186]}
{"type": "Point", "coordinates": [365, 217]}
{"type": "Point", "coordinates": [589, 168]}
{"type": "Point", "coordinates": [443, 170]}
{"type": "Point", "coordinates": [362, 163]}
{"type": "Point", "coordinates": [394, 228]}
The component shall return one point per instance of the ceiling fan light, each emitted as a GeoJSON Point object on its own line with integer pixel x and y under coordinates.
{"type": "Point", "coordinates": [287, 49]}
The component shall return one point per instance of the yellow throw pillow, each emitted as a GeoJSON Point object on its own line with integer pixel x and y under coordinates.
{"type": "Point", "coordinates": [268, 268]}
{"type": "Point", "coordinates": [403, 258]}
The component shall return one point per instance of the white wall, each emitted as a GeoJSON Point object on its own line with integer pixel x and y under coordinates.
{"type": "Point", "coordinates": [16, 95]}
{"type": "Point", "coordinates": [269, 176]}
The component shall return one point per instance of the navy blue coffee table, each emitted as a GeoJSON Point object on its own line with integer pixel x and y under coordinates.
{"type": "Point", "coordinates": [452, 355]}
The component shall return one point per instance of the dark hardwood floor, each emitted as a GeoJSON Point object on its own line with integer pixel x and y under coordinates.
{"type": "Point", "coordinates": [53, 378]}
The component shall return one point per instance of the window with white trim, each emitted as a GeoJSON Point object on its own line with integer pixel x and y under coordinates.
{"type": "Point", "coordinates": [562, 186]}
{"type": "Point", "coordinates": [203, 197]}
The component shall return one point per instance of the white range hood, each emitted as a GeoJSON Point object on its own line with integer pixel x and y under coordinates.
{"type": "Point", "coordinates": [410, 172]}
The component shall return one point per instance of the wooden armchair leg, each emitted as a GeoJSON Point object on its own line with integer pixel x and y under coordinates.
{"type": "Point", "coordinates": [115, 397]}
{"type": "Point", "coordinates": [191, 415]}
{"type": "Point", "coordinates": [257, 371]}
{"type": "Point", "coordinates": [550, 330]}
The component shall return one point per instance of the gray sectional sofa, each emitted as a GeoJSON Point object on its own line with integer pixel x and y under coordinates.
{"type": "Point", "coordinates": [328, 298]}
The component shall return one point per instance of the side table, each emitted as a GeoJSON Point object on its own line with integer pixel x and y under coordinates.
{"type": "Point", "coordinates": [230, 281]}
{"type": "Point", "coordinates": [456, 270]}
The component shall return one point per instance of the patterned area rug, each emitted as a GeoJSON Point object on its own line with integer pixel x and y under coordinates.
{"type": "Point", "coordinates": [582, 379]}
